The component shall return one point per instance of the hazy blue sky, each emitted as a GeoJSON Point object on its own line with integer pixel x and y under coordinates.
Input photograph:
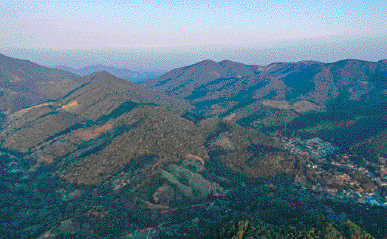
{"type": "Point", "coordinates": [169, 34]}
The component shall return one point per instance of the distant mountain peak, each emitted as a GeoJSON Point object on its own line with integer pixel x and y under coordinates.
{"type": "Point", "coordinates": [230, 63]}
{"type": "Point", "coordinates": [227, 62]}
{"type": "Point", "coordinates": [102, 73]}
{"type": "Point", "coordinates": [205, 62]}
{"type": "Point", "coordinates": [135, 76]}
{"type": "Point", "coordinates": [220, 63]}
{"type": "Point", "coordinates": [309, 62]}
{"type": "Point", "coordinates": [106, 77]}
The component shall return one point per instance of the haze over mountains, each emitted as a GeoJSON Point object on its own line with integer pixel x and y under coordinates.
{"type": "Point", "coordinates": [102, 157]}
{"type": "Point", "coordinates": [135, 76]}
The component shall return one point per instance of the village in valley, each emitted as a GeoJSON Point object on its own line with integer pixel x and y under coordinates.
{"type": "Point", "coordinates": [329, 175]}
{"type": "Point", "coordinates": [342, 176]}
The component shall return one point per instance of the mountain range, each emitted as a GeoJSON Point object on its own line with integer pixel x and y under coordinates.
{"type": "Point", "coordinates": [274, 94]}
{"type": "Point", "coordinates": [201, 148]}
{"type": "Point", "coordinates": [308, 98]}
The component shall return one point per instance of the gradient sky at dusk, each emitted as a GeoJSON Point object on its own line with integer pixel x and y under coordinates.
{"type": "Point", "coordinates": [169, 34]}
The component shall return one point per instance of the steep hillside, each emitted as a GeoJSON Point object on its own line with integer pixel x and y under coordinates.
{"type": "Point", "coordinates": [357, 127]}
{"type": "Point", "coordinates": [24, 84]}
{"type": "Point", "coordinates": [373, 147]}
{"type": "Point", "coordinates": [90, 153]}
{"type": "Point", "coordinates": [246, 151]}
{"type": "Point", "coordinates": [108, 119]}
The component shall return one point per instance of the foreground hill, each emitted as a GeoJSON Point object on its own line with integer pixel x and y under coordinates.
{"type": "Point", "coordinates": [110, 118]}
{"type": "Point", "coordinates": [134, 159]}
{"type": "Point", "coordinates": [78, 132]}
{"type": "Point", "coordinates": [24, 84]}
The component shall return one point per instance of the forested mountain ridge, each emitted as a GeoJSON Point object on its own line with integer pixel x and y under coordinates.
{"type": "Point", "coordinates": [274, 94]}
{"type": "Point", "coordinates": [342, 102]}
